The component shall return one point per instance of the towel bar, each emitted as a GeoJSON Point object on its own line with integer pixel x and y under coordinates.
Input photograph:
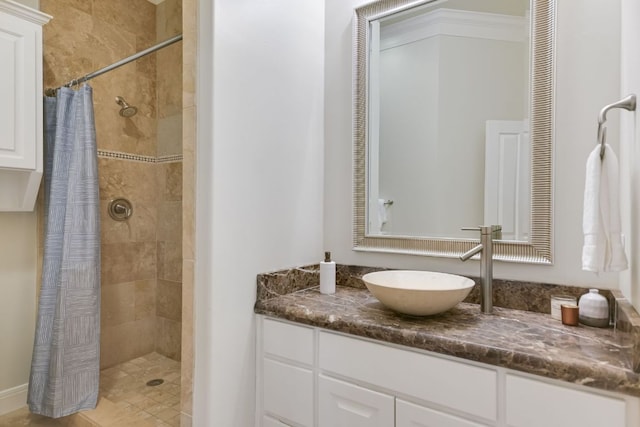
{"type": "Point", "coordinates": [628, 103]}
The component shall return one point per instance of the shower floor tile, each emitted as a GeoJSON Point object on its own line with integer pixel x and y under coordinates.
{"type": "Point", "coordinates": [126, 386]}
{"type": "Point", "coordinates": [125, 399]}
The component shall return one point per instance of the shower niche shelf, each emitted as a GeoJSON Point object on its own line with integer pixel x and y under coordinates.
{"type": "Point", "coordinates": [20, 105]}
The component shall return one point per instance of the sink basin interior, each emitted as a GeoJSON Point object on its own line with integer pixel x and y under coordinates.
{"type": "Point", "coordinates": [419, 293]}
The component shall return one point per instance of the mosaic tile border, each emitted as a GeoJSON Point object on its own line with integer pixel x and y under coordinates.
{"type": "Point", "coordinates": [138, 157]}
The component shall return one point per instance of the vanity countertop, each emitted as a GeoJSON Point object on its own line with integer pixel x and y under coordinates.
{"type": "Point", "coordinates": [522, 340]}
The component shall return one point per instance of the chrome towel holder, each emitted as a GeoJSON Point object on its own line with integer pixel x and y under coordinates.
{"type": "Point", "coordinates": [628, 103]}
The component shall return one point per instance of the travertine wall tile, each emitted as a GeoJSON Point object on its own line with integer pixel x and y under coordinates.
{"type": "Point", "coordinates": [169, 70]}
{"type": "Point", "coordinates": [140, 227]}
{"type": "Point", "coordinates": [170, 260]}
{"type": "Point", "coordinates": [170, 135]}
{"type": "Point", "coordinates": [167, 340]}
{"type": "Point", "coordinates": [186, 397]}
{"type": "Point", "coordinates": [131, 15]}
{"type": "Point", "coordinates": [170, 181]}
{"type": "Point", "coordinates": [135, 180]}
{"type": "Point", "coordinates": [169, 300]}
{"type": "Point", "coordinates": [169, 19]}
{"type": "Point", "coordinates": [145, 299]}
{"type": "Point", "coordinates": [126, 341]}
{"type": "Point", "coordinates": [189, 44]}
{"type": "Point", "coordinates": [117, 305]}
{"type": "Point", "coordinates": [127, 262]}
{"type": "Point", "coordinates": [188, 184]}
{"type": "Point", "coordinates": [170, 221]}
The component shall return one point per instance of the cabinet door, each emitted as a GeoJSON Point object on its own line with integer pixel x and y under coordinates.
{"type": "Point", "coordinates": [532, 403]}
{"type": "Point", "coordinates": [18, 47]}
{"type": "Point", "coordinates": [346, 405]}
{"type": "Point", "coordinates": [288, 392]}
{"type": "Point", "coordinates": [411, 415]}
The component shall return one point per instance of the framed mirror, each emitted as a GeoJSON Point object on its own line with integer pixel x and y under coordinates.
{"type": "Point", "coordinates": [453, 109]}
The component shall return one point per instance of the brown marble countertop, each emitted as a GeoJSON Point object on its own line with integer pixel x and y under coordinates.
{"type": "Point", "coordinates": [522, 340]}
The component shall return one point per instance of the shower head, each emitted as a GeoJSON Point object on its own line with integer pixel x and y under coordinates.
{"type": "Point", "coordinates": [126, 110]}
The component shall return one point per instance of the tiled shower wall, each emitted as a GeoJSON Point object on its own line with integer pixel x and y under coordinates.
{"type": "Point", "coordinates": [169, 236]}
{"type": "Point", "coordinates": [141, 264]}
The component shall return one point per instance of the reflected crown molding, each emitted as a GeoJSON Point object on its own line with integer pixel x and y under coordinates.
{"type": "Point", "coordinates": [458, 23]}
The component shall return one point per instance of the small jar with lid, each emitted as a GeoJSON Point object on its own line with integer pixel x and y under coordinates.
{"type": "Point", "coordinates": [594, 309]}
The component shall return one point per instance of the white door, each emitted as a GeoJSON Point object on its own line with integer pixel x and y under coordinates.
{"type": "Point", "coordinates": [346, 405]}
{"type": "Point", "coordinates": [507, 186]}
{"type": "Point", "coordinates": [412, 415]}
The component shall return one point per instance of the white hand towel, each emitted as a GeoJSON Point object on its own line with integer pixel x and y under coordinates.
{"type": "Point", "coordinates": [603, 249]}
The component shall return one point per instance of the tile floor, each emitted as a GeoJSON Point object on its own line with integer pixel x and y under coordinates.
{"type": "Point", "coordinates": [125, 398]}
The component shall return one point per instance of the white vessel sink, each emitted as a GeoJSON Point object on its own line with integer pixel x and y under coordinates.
{"type": "Point", "coordinates": [419, 293]}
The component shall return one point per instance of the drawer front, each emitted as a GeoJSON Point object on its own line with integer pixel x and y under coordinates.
{"type": "Point", "coordinates": [346, 405]}
{"type": "Point", "coordinates": [411, 415]}
{"type": "Point", "coordinates": [459, 386]}
{"type": "Point", "coordinates": [532, 403]}
{"type": "Point", "coordinates": [288, 392]}
{"type": "Point", "coordinates": [288, 341]}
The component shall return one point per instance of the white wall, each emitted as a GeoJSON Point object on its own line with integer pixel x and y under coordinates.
{"type": "Point", "coordinates": [630, 148]}
{"type": "Point", "coordinates": [17, 304]}
{"type": "Point", "coordinates": [259, 181]}
{"type": "Point", "coordinates": [587, 78]}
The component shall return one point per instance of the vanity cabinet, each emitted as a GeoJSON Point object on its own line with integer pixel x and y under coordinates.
{"type": "Point", "coordinates": [20, 105]}
{"type": "Point", "coordinates": [312, 377]}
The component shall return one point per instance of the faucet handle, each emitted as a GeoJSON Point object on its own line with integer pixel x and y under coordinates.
{"type": "Point", "coordinates": [471, 228]}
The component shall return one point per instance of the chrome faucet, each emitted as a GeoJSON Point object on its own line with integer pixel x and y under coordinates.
{"type": "Point", "coordinates": [487, 234]}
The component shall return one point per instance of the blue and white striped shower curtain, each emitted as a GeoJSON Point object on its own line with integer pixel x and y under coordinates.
{"type": "Point", "coordinates": [65, 367]}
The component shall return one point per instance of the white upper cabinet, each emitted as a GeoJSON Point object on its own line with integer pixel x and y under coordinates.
{"type": "Point", "coordinates": [21, 153]}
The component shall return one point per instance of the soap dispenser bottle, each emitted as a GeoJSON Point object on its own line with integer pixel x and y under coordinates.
{"type": "Point", "coordinates": [594, 309]}
{"type": "Point", "coordinates": [327, 275]}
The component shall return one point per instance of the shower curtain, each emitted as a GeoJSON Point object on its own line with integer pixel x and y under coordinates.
{"type": "Point", "coordinates": [65, 366]}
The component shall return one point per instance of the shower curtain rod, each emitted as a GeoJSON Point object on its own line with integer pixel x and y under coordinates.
{"type": "Point", "coordinates": [87, 77]}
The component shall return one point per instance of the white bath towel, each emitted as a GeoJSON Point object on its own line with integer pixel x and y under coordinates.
{"type": "Point", "coordinates": [603, 249]}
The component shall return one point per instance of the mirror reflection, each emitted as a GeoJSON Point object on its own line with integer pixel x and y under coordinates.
{"type": "Point", "coordinates": [448, 119]}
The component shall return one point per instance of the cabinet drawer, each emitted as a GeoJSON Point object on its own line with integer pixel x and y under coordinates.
{"type": "Point", "coordinates": [532, 403]}
{"type": "Point", "coordinates": [411, 415]}
{"type": "Point", "coordinates": [288, 341]}
{"type": "Point", "coordinates": [288, 392]}
{"type": "Point", "coordinates": [346, 405]}
{"type": "Point", "coordinates": [463, 387]}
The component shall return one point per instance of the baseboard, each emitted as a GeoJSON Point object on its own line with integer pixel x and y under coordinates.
{"type": "Point", "coordinates": [13, 398]}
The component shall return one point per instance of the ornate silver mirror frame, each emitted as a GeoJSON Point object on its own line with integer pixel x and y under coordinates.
{"type": "Point", "coordinates": [538, 249]}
